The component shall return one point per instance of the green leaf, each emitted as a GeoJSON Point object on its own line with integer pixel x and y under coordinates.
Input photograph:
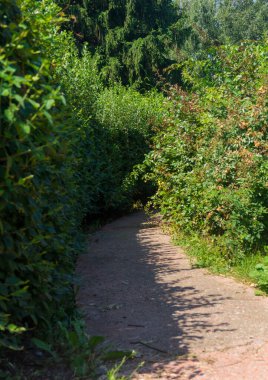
{"type": "Point", "coordinates": [34, 103]}
{"type": "Point", "coordinates": [5, 92]}
{"type": "Point", "coordinates": [95, 340]}
{"type": "Point", "coordinates": [19, 99]}
{"type": "Point", "coordinates": [62, 97]}
{"type": "Point", "coordinates": [43, 346]}
{"type": "Point", "coordinates": [49, 117]}
{"type": "Point", "coordinates": [26, 128]}
{"type": "Point", "coordinates": [21, 291]}
{"type": "Point", "coordinates": [22, 181]}
{"type": "Point", "coordinates": [13, 329]}
{"type": "Point", "coordinates": [50, 103]}
{"type": "Point", "coordinates": [9, 114]}
{"type": "Point", "coordinates": [260, 267]}
{"type": "Point", "coordinates": [17, 81]}
{"type": "Point", "coordinates": [10, 344]}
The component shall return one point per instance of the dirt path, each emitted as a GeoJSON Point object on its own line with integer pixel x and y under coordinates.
{"type": "Point", "coordinates": [141, 292]}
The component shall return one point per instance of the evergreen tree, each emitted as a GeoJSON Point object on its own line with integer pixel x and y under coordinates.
{"type": "Point", "coordinates": [130, 37]}
{"type": "Point", "coordinates": [200, 25]}
{"type": "Point", "coordinates": [242, 20]}
{"type": "Point", "coordinates": [213, 22]}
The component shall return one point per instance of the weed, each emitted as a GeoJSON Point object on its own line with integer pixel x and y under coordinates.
{"type": "Point", "coordinates": [260, 274]}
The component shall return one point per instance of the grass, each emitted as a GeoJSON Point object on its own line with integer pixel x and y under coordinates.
{"type": "Point", "coordinates": [243, 269]}
{"type": "Point", "coordinates": [204, 254]}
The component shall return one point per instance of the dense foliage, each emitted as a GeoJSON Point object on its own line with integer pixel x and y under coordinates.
{"type": "Point", "coordinates": [116, 126]}
{"type": "Point", "coordinates": [36, 183]}
{"type": "Point", "coordinates": [131, 38]}
{"type": "Point", "coordinates": [59, 163]}
{"type": "Point", "coordinates": [207, 23]}
{"type": "Point", "coordinates": [72, 132]}
{"type": "Point", "coordinates": [210, 157]}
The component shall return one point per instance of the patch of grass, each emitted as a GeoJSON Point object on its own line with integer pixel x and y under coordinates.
{"type": "Point", "coordinates": [204, 253]}
{"type": "Point", "coordinates": [243, 270]}
{"type": "Point", "coordinates": [114, 373]}
{"type": "Point", "coordinates": [260, 274]}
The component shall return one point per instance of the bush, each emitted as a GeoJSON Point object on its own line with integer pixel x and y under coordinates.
{"type": "Point", "coordinates": [116, 125]}
{"type": "Point", "coordinates": [37, 183]}
{"type": "Point", "coordinates": [126, 118]}
{"type": "Point", "coordinates": [209, 158]}
{"type": "Point", "coordinates": [59, 162]}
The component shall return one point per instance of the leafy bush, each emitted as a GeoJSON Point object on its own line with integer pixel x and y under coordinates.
{"type": "Point", "coordinates": [116, 128]}
{"type": "Point", "coordinates": [126, 118]}
{"type": "Point", "coordinates": [58, 163]}
{"type": "Point", "coordinates": [38, 205]}
{"type": "Point", "coordinates": [210, 157]}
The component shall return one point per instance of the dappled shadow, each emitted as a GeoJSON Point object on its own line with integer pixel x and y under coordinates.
{"type": "Point", "coordinates": [141, 293]}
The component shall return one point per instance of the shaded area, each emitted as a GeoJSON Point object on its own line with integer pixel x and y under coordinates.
{"type": "Point", "coordinates": [140, 292]}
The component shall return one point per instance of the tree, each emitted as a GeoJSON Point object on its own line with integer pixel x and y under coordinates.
{"type": "Point", "coordinates": [242, 20]}
{"type": "Point", "coordinates": [130, 37]}
{"type": "Point", "coordinates": [213, 22]}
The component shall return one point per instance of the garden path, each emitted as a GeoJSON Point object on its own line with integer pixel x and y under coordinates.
{"type": "Point", "coordinates": [141, 292]}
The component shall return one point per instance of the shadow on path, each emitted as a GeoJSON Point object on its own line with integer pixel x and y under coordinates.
{"type": "Point", "coordinates": [140, 292]}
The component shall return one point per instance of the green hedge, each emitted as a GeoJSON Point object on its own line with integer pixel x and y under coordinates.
{"type": "Point", "coordinates": [117, 125]}
{"type": "Point", "coordinates": [210, 157]}
{"type": "Point", "coordinates": [67, 149]}
{"type": "Point", "coordinates": [37, 184]}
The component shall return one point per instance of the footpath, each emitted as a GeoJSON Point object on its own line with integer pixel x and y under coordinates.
{"type": "Point", "coordinates": [141, 293]}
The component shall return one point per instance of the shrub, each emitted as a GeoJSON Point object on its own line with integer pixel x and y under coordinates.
{"type": "Point", "coordinates": [210, 157]}
{"type": "Point", "coordinates": [38, 224]}
{"type": "Point", "coordinates": [59, 162]}
{"type": "Point", "coordinates": [126, 118]}
{"type": "Point", "coordinates": [116, 125]}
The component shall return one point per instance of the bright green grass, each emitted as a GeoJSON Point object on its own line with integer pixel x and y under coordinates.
{"type": "Point", "coordinates": [204, 254]}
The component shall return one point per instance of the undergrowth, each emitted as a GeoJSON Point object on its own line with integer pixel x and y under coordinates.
{"type": "Point", "coordinates": [73, 354]}
{"type": "Point", "coordinates": [209, 160]}
{"type": "Point", "coordinates": [204, 254]}
{"type": "Point", "coordinates": [64, 159]}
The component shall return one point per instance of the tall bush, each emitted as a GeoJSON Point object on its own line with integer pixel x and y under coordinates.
{"type": "Point", "coordinates": [38, 202]}
{"type": "Point", "coordinates": [67, 149]}
{"type": "Point", "coordinates": [210, 157]}
{"type": "Point", "coordinates": [116, 125]}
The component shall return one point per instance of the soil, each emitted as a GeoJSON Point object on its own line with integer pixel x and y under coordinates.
{"type": "Point", "coordinates": [141, 292]}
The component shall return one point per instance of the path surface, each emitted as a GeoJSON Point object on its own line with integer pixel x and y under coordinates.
{"type": "Point", "coordinates": [140, 292]}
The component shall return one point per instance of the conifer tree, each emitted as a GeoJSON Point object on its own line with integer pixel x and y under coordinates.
{"type": "Point", "coordinates": [242, 19]}
{"type": "Point", "coordinates": [131, 38]}
{"type": "Point", "coordinates": [213, 22]}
